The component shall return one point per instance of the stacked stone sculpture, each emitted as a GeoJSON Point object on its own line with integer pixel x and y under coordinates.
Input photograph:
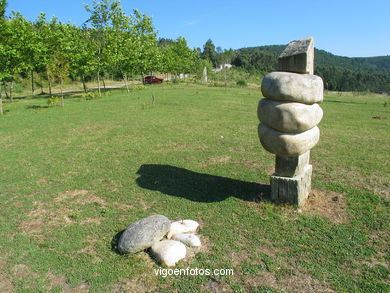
{"type": "Point", "coordinates": [288, 116]}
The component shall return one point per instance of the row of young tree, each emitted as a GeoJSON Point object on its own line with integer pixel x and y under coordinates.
{"type": "Point", "coordinates": [108, 43]}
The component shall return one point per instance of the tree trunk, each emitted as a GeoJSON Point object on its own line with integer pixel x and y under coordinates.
{"type": "Point", "coordinates": [49, 86]}
{"type": "Point", "coordinates": [98, 77]}
{"type": "Point", "coordinates": [104, 83]}
{"type": "Point", "coordinates": [32, 82]}
{"type": "Point", "coordinates": [62, 94]}
{"type": "Point", "coordinates": [49, 82]}
{"type": "Point", "coordinates": [84, 86]}
{"type": "Point", "coordinates": [125, 80]}
{"type": "Point", "coordinates": [5, 90]}
{"type": "Point", "coordinates": [1, 102]}
{"type": "Point", "coordinates": [40, 77]}
{"type": "Point", "coordinates": [224, 74]}
{"type": "Point", "coordinates": [11, 88]}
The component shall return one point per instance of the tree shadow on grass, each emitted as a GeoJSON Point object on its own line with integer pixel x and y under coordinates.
{"type": "Point", "coordinates": [198, 187]}
{"type": "Point", "coordinates": [37, 107]}
{"type": "Point", "coordinates": [342, 102]}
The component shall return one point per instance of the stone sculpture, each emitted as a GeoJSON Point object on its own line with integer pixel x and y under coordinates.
{"type": "Point", "coordinates": [288, 116]}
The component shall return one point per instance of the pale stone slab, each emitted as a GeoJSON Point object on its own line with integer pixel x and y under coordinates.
{"type": "Point", "coordinates": [288, 116]}
{"type": "Point", "coordinates": [291, 166]}
{"type": "Point", "coordinates": [288, 144]}
{"type": "Point", "coordinates": [190, 240]}
{"type": "Point", "coordinates": [287, 86]}
{"type": "Point", "coordinates": [293, 190]}
{"type": "Point", "coordinates": [168, 252]}
{"type": "Point", "coordinates": [183, 226]}
{"type": "Point", "coordinates": [298, 56]}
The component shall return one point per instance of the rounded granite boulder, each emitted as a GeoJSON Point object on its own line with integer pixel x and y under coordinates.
{"type": "Point", "coordinates": [143, 234]}
{"type": "Point", "coordinates": [288, 144]}
{"type": "Point", "coordinates": [294, 87]}
{"type": "Point", "coordinates": [289, 116]}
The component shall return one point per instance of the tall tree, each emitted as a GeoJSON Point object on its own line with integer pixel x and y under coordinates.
{"type": "Point", "coordinates": [17, 49]}
{"type": "Point", "coordinates": [3, 6]}
{"type": "Point", "coordinates": [59, 63]}
{"type": "Point", "coordinates": [209, 52]}
{"type": "Point", "coordinates": [104, 15]}
{"type": "Point", "coordinates": [146, 54]}
{"type": "Point", "coordinates": [46, 40]}
{"type": "Point", "coordinates": [83, 63]}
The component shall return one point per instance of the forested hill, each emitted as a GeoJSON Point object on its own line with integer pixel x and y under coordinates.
{"type": "Point", "coordinates": [339, 73]}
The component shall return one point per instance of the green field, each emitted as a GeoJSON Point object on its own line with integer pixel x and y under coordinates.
{"type": "Point", "coordinates": [72, 178]}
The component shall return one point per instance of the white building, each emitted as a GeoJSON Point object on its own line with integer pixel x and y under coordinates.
{"type": "Point", "coordinates": [223, 66]}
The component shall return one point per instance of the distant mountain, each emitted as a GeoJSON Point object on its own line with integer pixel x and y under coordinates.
{"type": "Point", "coordinates": [338, 72]}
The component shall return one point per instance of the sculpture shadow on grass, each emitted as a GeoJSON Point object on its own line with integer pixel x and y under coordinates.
{"type": "Point", "coordinates": [115, 240]}
{"type": "Point", "coordinates": [198, 187]}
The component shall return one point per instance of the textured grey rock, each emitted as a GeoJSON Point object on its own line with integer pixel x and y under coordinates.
{"type": "Point", "coordinates": [288, 144]}
{"type": "Point", "coordinates": [143, 234]}
{"type": "Point", "coordinates": [298, 56]}
{"type": "Point", "coordinates": [291, 190]}
{"type": "Point", "coordinates": [291, 166]}
{"type": "Point", "coordinates": [293, 87]}
{"type": "Point", "coordinates": [168, 252]}
{"type": "Point", "coordinates": [289, 116]}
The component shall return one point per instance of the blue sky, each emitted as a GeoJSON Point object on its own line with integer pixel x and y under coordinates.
{"type": "Point", "coordinates": [347, 28]}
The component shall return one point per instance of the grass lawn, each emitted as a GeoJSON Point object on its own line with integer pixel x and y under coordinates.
{"type": "Point", "coordinates": [72, 178]}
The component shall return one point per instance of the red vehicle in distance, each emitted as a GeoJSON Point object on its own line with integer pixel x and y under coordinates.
{"type": "Point", "coordinates": [152, 79]}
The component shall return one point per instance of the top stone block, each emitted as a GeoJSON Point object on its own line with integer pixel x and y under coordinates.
{"type": "Point", "coordinates": [298, 57]}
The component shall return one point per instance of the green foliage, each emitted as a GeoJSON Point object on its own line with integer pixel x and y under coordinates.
{"type": "Point", "coordinates": [209, 52]}
{"type": "Point", "coordinates": [337, 78]}
{"type": "Point", "coordinates": [165, 42]}
{"type": "Point", "coordinates": [91, 95]}
{"type": "Point", "coordinates": [137, 87]}
{"type": "Point", "coordinates": [3, 6]}
{"type": "Point", "coordinates": [54, 101]}
{"type": "Point", "coordinates": [178, 58]}
{"type": "Point", "coordinates": [339, 73]}
{"type": "Point", "coordinates": [216, 84]}
{"type": "Point", "coordinates": [241, 82]}
{"type": "Point", "coordinates": [110, 43]}
{"type": "Point", "coordinates": [200, 66]}
{"type": "Point", "coordinates": [255, 61]}
{"type": "Point", "coordinates": [230, 77]}
{"type": "Point", "coordinates": [216, 56]}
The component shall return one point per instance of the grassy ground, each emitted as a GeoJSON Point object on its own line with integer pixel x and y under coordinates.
{"type": "Point", "coordinates": [72, 178]}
